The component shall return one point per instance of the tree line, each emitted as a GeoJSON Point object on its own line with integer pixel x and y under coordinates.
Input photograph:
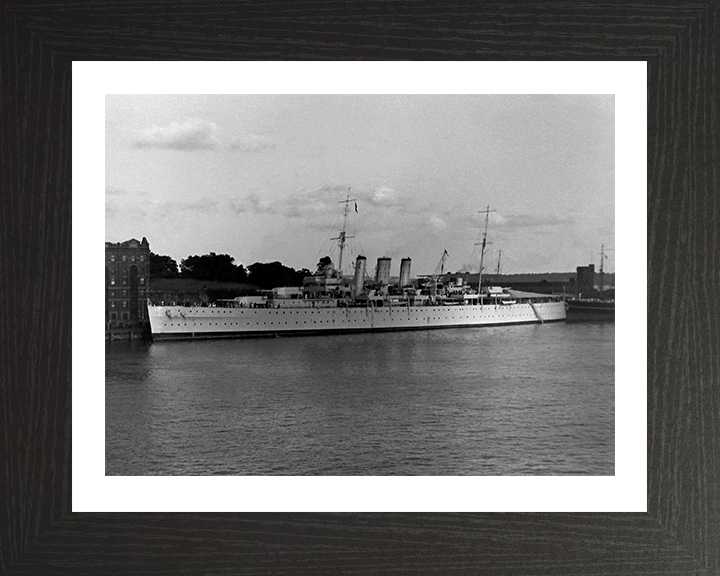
{"type": "Point", "coordinates": [222, 268]}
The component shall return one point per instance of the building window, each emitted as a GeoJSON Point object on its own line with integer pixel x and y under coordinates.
{"type": "Point", "coordinates": [124, 258]}
{"type": "Point", "coordinates": [125, 293]}
{"type": "Point", "coordinates": [125, 304]}
{"type": "Point", "coordinates": [112, 304]}
{"type": "Point", "coordinates": [124, 315]}
{"type": "Point", "coordinates": [142, 280]}
{"type": "Point", "coordinates": [112, 281]}
{"type": "Point", "coordinates": [113, 315]}
{"type": "Point", "coordinates": [142, 258]}
{"type": "Point", "coordinates": [112, 257]}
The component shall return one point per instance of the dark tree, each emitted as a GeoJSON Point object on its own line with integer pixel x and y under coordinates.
{"type": "Point", "coordinates": [163, 266]}
{"type": "Point", "coordinates": [211, 266]}
{"type": "Point", "coordinates": [241, 274]}
{"type": "Point", "coordinates": [274, 274]}
{"type": "Point", "coordinates": [302, 273]}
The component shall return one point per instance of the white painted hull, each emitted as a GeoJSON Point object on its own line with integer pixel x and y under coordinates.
{"type": "Point", "coordinates": [179, 322]}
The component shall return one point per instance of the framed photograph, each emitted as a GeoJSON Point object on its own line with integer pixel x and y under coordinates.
{"type": "Point", "coordinates": [73, 506]}
{"type": "Point", "coordinates": [362, 221]}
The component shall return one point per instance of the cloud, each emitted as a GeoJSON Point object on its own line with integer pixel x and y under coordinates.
{"type": "Point", "coordinates": [380, 197]}
{"type": "Point", "coordinates": [474, 219]}
{"type": "Point", "coordinates": [119, 208]}
{"type": "Point", "coordinates": [252, 204]}
{"type": "Point", "coordinates": [203, 205]}
{"type": "Point", "coordinates": [307, 204]}
{"type": "Point", "coordinates": [252, 143]}
{"type": "Point", "coordinates": [298, 206]}
{"type": "Point", "coordinates": [437, 222]}
{"type": "Point", "coordinates": [384, 196]}
{"type": "Point", "coordinates": [333, 188]}
{"type": "Point", "coordinates": [131, 209]}
{"type": "Point", "coordinates": [325, 200]}
{"type": "Point", "coordinates": [193, 134]}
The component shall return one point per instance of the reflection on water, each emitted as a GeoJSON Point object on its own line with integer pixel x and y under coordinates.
{"type": "Point", "coordinates": [511, 400]}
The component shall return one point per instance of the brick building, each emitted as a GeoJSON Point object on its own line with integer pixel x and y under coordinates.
{"type": "Point", "coordinates": [126, 282]}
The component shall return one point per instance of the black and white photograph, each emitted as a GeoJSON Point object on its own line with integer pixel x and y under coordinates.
{"type": "Point", "coordinates": [360, 285]}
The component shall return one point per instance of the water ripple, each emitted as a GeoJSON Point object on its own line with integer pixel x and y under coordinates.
{"type": "Point", "coordinates": [521, 400]}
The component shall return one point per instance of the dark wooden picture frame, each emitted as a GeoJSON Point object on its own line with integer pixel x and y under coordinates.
{"type": "Point", "coordinates": [681, 530]}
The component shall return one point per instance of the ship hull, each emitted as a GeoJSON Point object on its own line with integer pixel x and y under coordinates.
{"type": "Point", "coordinates": [580, 310]}
{"type": "Point", "coordinates": [183, 323]}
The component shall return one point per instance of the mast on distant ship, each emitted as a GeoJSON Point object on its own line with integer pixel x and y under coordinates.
{"type": "Point", "coordinates": [342, 237]}
{"type": "Point", "coordinates": [483, 244]}
{"type": "Point", "coordinates": [499, 257]}
{"type": "Point", "coordinates": [602, 257]}
{"type": "Point", "coordinates": [602, 271]}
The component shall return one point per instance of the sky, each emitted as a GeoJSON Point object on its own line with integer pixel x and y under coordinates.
{"type": "Point", "coordinates": [263, 177]}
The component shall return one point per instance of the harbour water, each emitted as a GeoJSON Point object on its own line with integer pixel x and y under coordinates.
{"type": "Point", "coordinates": [510, 400]}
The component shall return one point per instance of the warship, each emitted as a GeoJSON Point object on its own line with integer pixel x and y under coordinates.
{"type": "Point", "coordinates": [329, 302]}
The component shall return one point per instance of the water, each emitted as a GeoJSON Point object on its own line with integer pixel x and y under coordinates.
{"type": "Point", "coordinates": [511, 400]}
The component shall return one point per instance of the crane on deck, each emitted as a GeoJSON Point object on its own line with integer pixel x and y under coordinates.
{"type": "Point", "coordinates": [439, 271]}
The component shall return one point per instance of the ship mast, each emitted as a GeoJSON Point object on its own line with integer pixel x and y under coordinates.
{"type": "Point", "coordinates": [603, 256]}
{"type": "Point", "coordinates": [342, 237]}
{"type": "Point", "coordinates": [499, 257]}
{"type": "Point", "coordinates": [602, 273]}
{"type": "Point", "coordinates": [483, 244]}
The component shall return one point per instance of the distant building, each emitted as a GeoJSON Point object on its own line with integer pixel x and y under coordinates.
{"type": "Point", "coordinates": [585, 278]}
{"type": "Point", "coordinates": [126, 282]}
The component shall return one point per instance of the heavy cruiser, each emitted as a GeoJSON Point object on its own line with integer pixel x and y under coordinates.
{"type": "Point", "coordinates": [329, 303]}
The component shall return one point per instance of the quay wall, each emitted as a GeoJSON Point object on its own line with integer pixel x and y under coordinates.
{"type": "Point", "coordinates": [136, 332]}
